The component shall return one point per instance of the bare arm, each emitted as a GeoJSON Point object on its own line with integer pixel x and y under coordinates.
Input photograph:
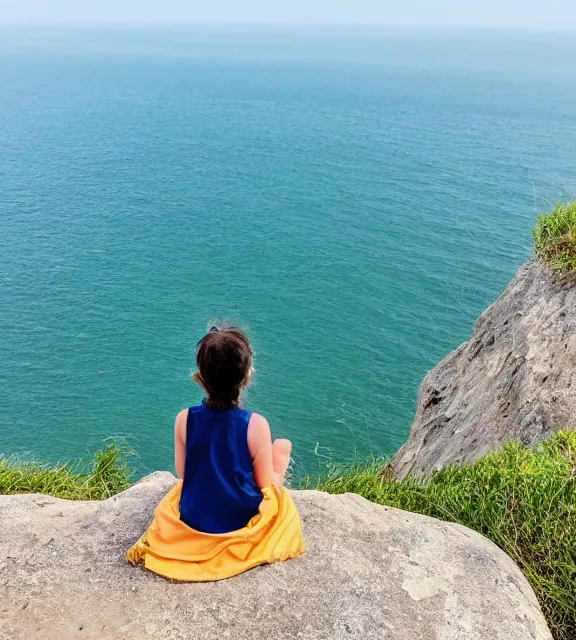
{"type": "Point", "coordinates": [260, 447]}
{"type": "Point", "coordinates": [180, 442]}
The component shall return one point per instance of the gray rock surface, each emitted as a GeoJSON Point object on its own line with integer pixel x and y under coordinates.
{"type": "Point", "coordinates": [515, 379]}
{"type": "Point", "coordinates": [369, 572]}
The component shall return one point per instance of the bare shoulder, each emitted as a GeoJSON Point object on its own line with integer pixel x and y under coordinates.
{"type": "Point", "coordinates": [258, 433]}
{"type": "Point", "coordinates": [180, 423]}
{"type": "Point", "coordinates": [258, 424]}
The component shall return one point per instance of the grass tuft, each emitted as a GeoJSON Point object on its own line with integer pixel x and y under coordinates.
{"type": "Point", "coordinates": [107, 475]}
{"type": "Point", "coordinates": [524, 500]}
{"type": "Point", "coordinates": [555, 238]}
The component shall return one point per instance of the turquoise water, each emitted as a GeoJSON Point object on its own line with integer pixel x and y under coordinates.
{"type": "Point", "coordinates": [353, 198]}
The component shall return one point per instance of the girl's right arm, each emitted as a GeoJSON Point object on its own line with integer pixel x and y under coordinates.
{"type": "Point", "coordinates": [260, 447]}
{"type": "Point", "coordinates": [180, 442]}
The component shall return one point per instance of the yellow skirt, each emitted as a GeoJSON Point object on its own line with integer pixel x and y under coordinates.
{"type": "Point", "coordinates": [172, 549]}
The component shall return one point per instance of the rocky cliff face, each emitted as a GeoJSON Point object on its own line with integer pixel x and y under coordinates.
{"type": "Point", "coordinates": [515, 379]}
{"type": "Point", "coordinates": [369, 572]}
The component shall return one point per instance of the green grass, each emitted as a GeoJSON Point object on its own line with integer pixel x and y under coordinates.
{"type": "Point", "coordinates": [107, 475]}
{"type": "Point", "coordinates": [555, 238]}
{"type": "Point", "coordinates": [522, 499]}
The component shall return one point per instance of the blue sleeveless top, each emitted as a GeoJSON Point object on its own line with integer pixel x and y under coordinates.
{"type": "Point", "coordinates": [219, 493]}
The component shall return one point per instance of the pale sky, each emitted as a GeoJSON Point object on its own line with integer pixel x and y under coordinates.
{"type": "Point", "coordinates": [527, 14]}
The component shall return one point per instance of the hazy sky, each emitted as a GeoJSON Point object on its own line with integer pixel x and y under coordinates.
{"type": "Point", "coordinates": [470, 13]}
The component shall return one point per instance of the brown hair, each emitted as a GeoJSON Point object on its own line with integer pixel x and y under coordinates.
{"type": "Point", "coordinates": [224, 361]}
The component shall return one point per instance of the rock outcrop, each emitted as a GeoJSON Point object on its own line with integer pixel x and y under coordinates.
{"type": "Point", "coordinates": [369, 572]}
{"type": "Point", "coordinates": [515, 379]}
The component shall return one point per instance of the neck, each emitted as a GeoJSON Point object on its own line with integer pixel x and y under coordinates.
{"type": "Point", "coordinates": [222, 406]}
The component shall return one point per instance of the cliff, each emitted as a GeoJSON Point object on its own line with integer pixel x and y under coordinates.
{"type": "Point", "coordinates": [515, 379]}
{"type": "Point", "coordinates": [369, 572]}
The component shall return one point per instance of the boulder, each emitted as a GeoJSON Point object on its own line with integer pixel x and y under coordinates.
{"type": "Point", "coordinates": [369, 572]}
{"type": "Point", "coordinates": [515, 379]}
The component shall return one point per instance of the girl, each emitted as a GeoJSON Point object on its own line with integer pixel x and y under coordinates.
{"type": "Point", "coordinates": [231, 511]}
{"type": "Point", "coordinates": [223, 453]}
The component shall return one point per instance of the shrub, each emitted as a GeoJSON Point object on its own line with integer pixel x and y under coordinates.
{"type": "Point", "coordinates": [555, 238]}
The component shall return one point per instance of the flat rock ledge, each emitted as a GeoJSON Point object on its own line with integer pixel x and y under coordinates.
{"type": "Point", "coordinates": [369, 572]}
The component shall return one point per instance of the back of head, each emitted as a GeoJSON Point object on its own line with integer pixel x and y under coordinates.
{"type": "Point", "coordinates": [224, 361]}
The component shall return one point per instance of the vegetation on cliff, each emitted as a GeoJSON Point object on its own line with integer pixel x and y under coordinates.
{"type": "Point", "coordinates": [555, 238]}
{"type": "Point", "coordinates": [107, 475]}
{"type": "Point", "coordinates": [524, 500]}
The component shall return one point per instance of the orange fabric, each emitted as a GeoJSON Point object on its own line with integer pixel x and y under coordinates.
{"type": "Point", "coordinates": [172, 549]}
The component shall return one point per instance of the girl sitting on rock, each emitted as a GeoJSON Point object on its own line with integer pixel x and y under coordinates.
{"type": "Point", "coordinates": [230, 512]}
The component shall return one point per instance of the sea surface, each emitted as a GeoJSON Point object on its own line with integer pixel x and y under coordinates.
{"type": "Point", "coordinates": [353, 198]}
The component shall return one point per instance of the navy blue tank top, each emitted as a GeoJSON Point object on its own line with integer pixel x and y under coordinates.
{"type": "Point", "coordinates": [219, 493]}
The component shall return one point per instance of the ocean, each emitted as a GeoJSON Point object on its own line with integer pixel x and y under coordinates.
{"type": "Point", "coordinates": [354, 198]}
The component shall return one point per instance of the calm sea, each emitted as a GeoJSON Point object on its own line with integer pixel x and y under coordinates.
{"type": "Point", "coordinates": [353, 198]}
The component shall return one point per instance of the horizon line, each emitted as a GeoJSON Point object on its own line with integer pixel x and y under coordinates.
{"type": "Point", "coordinates": [268, 24]}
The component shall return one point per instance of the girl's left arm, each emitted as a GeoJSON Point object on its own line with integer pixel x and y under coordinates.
{"type": "Point", "coordinates": [180, 442]}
